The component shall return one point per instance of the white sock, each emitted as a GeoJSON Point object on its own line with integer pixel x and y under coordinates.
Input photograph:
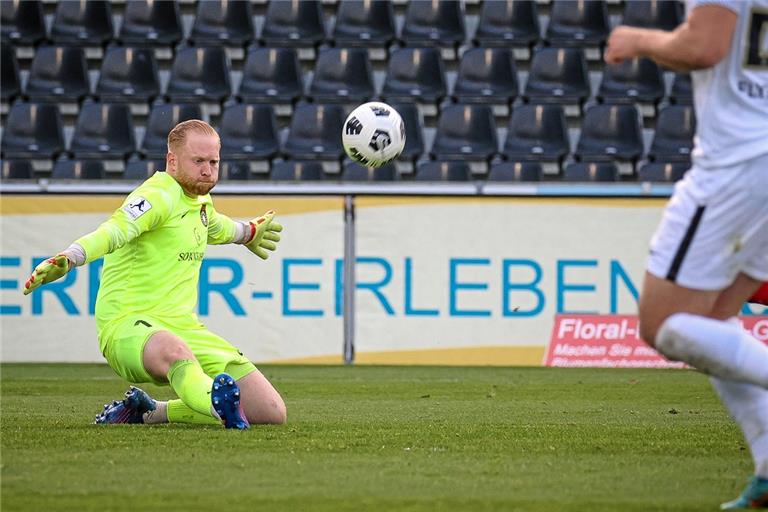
{"type": "Point", "coordinates": [159, 415]}
{"type": "Point", "coordinates": [717, 347]}
{"type": "Point", "coordinates": [748, 404]}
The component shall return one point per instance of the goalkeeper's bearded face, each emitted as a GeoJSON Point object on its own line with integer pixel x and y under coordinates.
{"type": "Point", "coordinates": [196, 164]}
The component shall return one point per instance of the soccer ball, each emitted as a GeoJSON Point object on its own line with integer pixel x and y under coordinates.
{"type": "Point", "coordinates": [373, 134]}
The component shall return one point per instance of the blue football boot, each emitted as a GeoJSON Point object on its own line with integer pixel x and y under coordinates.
{"type": "Point", "coordinates": [754, 496]}
{"type": "Point", "coordinates": [130, 409]}
{"type": "Point", "coordinates": [225, 397]}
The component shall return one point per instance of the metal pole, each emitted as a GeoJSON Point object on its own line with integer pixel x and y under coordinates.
{"type": "Point", "coordinates": [349, 279]}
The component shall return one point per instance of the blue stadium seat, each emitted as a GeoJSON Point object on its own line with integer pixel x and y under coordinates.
{"type": "Point", "coordinates": [248, 132]}
{"type": "Point", "coordinates": [315, 132]}
{"type": "Point", "coordinates": [16, 170]}
{"type": "Point", "coordinates": [33, 130]}
{"type": "Point", "coordinates": [142, 169]}
{"type": "Point", "coordinates": [234, 170]}
{"type": "Point", "coordinates": [508, 23]}
{"type": "Point", "coordinates": [414, 135]}
{"type": "Point", "coordinates": [82, 23]}
{"type": "Point", "coordinates": [342, 75]}
{"type": "Point", "coordinates": [591, 171]}
{"type": "Point", "coordinates": [439, 24]}
{"type": "Point", "coordinates": [10, 84]}
{"type": "Point", "coordinates": [659, 14]}
{"type": "Point", "coordinates": [353, 171]}
{"type": "Point", "coordinates": [537, 133]}
{"type": "Point", "coordinates": [293, 170]}
{"type": "Point", "coordinates": [579, 24]}
{"type": "Point", "coordinates": [361, 23]}
{"type": "Point", "coordinates": [662, 171]}
{"type": "Point", "coordinates": [486, 75]}
{"type": "Point", "coordinates": [293, 24]}
{"type": "Point", "coordinates": [223, 22]}
{"type": "Point", "coordinates": [516, 171]}
{"type": "Point", "coordinates": [465, 132]}
{"type": "Point", "coordinates": [611, 132]}
{"type": "Point", "coordinates": [58, 74]}
{"type": "Point", "coordinates": [199, 74]}
{"type": "Point", "coordinates": [682, 90]}
{"type": "Point", "coordinates": [271, 75]}
{"type": "Point", "coordinates": [634, 80]}
{"type": "Point", "coordinates": [673, 138]}
{"type": "Point", "coordinates": [151, 23]}
{"type": "Point", "coordinates": [128, 75]}
{"type": "Point", "coordinates": [558, 75]}
{"type": "Point", "coordinates": [162, 118]}
{"type": "Point", "coordinates": [414, 75]}
{"type": "Point", "coordinates": [103, 130]}
{"type": "Point", "coordinates": [22, 23]}
{"type": "Point", "coordinates": [443, 171]}
{"type": "Point", "coordinates": [78, 170]}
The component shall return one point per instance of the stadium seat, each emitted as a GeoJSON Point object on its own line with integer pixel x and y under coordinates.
{"type": "Point", "coordinates": [78, 170]}
{"type": "Point", "coordinates": [142, 169]}
{"type": "Point", "coordinates": [199, 74]}
{"type": "Point", "coordinates": [17, 170]}
{"type": "Point", "coordinates": [271, 75]}
{"type": "Point", "coordinates": [292, 170]}
{"type": "Point", "coordinates": [234, 171]}
{"type": "Point", "coordinates": [314, 132]}
{"type": "Point", "coordinates": [659, 14]}
{"type": "Point", "coordinates": [662, 172]}
{"type": "Point", "coordinates": [414, 126]}
{"type": "Point", "coordinates": [591, 171]}
{"type": "Point", "coordinates": [465, 132]}
{"type": "Point", "coordinates": [369, 24]}
{"type": "Point", "coordinates": [537, 133]}
{"type": "Point", "coordinates": [486, 75]}
{"type": "Point", "coordinates": [248, 132]}
{"type": "Point", "coordinates": [162, 118]}
{"type": "Point", "coordinates": [293, 24]}
{"type": "Point", "coordinates": [342, 75]}
{"type": "Point", "coordinates": [353, 171]}
{"type": "Point", "coordinates": [439, 24]}
{"type": "Point", "coordinates": [22, 23]}
{"type": "Point", "coordinates": [414, 75]}
{"type": "Point", "coordinates": [103, 130]}
{"type": "Point", "coordinates": [443, 171]}
{"type": "Point", "coordinates": [634, 80]}
{"type": "Point", "coordinates": [58, 74]}
{"type": "Point", "coordinates": [515, 171]}
{"type": "Point", "coordinates": [128, 75]}
{"type": "Point", "coordinates": [558, 75]}
{"type": "Point", "coordinates": [151, 23]}
{"type": "Point", "coordinates": [33, 130]}
{"type": "Point", "coordinates": [580, 24]}
{"type": "Point", "coordinates": [508, 23]}
{"type": "Point", "coordinates": [682, 90]}
{"type": "Point", "coordinates": [611, 132]}
{"type": "Point", "coordinates": [10, 84]}
{"type": "Point", "coordinates": [223, 22]}
{"type": "Point", "coordinates": [673, 138]}
{"type": "Point", "coordinates": [82, 23]}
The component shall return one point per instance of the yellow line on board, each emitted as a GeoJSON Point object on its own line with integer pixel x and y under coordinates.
{"type": "Point", "coordinates": [474, 356]}
{"type": "Point", "coordinates": [609, 202]}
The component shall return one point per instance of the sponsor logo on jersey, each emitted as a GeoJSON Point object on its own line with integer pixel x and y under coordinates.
{"type": "Point", "coordinates": [191, 256]}
{"type": "Point", "coordinates": [137, 207]}
{"type": "Point", "coordinates": [203, 216]}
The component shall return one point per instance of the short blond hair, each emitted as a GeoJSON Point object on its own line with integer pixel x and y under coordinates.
{"type": "Point", "coordinates": [178, 136]}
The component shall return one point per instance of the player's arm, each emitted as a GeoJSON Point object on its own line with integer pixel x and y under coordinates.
{"type": "Point", "coordinates": [258, 235]}
{"type": "Point", "coordinates": [141, 211]}
{"type": "Point", "coordinates": [700, 42]}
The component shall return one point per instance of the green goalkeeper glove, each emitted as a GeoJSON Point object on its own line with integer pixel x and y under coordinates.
{"type": "Point", "coordinates": [48, 271]}
{"type": "Point", "coordinates": [264, 235]}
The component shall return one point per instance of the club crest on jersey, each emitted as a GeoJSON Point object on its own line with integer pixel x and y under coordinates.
{"type": "Point", "coordinates": [137, 207]}
{"type": "Point", "coordinates": [203, 216]}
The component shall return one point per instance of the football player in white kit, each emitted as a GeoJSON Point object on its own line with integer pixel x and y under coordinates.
{"type": "Point", "coordinates": [710, 251]}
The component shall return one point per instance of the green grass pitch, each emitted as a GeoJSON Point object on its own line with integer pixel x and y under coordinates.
{"type": "Point", "coordinates": [366, 438]}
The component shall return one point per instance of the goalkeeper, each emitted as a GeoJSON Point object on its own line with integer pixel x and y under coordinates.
{"type": "Point", "coordinates": [153, 246]}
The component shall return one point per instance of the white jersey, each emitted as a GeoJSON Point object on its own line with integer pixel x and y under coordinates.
{"type": "Point", "coordinates": [731, 98]}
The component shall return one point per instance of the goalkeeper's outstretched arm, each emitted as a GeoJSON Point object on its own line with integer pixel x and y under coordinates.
{"type": "Point", "coordinates": [258, 235]}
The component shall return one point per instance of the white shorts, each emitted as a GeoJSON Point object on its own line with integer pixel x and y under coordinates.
{"type": "Point", "coordinates": [714, 227]}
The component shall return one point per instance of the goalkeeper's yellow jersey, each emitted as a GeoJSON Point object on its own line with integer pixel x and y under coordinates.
{"type": "Point", "coordinates": [153, 246]}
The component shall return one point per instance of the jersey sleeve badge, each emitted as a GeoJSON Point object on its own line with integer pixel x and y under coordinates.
{"type": "Point", "coordinates": [137, 207]}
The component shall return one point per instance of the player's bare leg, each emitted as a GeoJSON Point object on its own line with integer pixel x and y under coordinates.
{"type": "Point", "coordinates": [260, 401]}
